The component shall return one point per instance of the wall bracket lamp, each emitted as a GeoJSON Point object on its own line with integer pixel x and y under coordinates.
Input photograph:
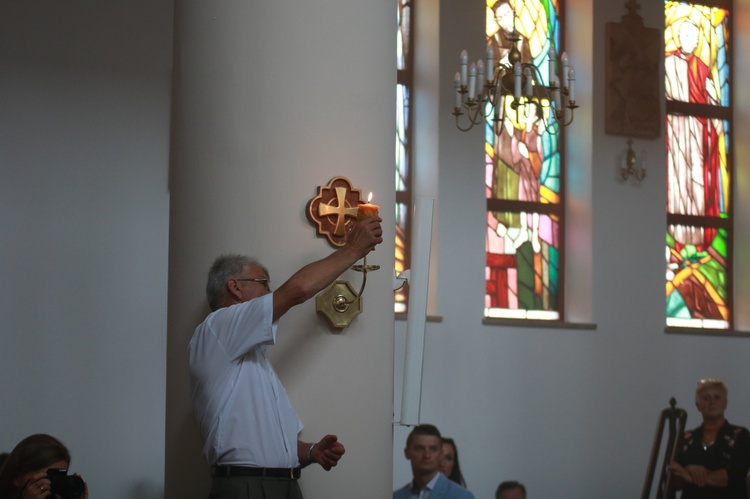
{"type": "Point", "coordinates": [339, 303]}
{"type": "Point", "coordinates": [630, 167]}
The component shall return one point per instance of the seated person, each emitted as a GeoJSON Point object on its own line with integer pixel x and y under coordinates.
{"type": "Point", "coordinates": [715, 457]}
{"type": "Point", "coordinates": [424, 448]}
{"type": "Point", "coordinates": [24, 473]}
{"type": "Point", "coordinates": [510, 489]}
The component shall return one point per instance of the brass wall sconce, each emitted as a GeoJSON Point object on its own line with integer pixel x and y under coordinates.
{"type": "Point", "coordinates": [630, 162]}
{"type": "Point", "coordinates": [333, 211]}
{"type": "Point", "coordinates": [339, 303]}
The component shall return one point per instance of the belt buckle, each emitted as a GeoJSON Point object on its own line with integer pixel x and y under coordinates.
{"type": "Point", "coordinates": [291, 473]}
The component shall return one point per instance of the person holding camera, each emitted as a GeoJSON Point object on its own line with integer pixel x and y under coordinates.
{"type": "Point", "coordinates": [38, 468]}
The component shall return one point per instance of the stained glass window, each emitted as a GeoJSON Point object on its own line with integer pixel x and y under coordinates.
{"type": "Point", "coordinates": [699, 170]}
{"type": "Point", "coordinates": [524, 176]}
{"type": "Point", "coordinates": [404, 85]}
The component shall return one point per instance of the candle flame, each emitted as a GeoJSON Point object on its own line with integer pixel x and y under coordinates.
{"type": "Point", "coordinates": [369, 198]}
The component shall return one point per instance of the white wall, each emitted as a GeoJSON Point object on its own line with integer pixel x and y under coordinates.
{"type": "Point", "coordinates": [570, 413]}
{"type": "Point", "coordinates": [84, 131]}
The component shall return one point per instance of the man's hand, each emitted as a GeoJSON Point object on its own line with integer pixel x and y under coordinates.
{"type": "Point", "coordinates": [328, 451]}
{"type": "Point", "coordinates": [365, 235]}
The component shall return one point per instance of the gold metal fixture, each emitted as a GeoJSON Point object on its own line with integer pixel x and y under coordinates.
{"type": "Point", "coordinates": [630, 168]}
{"type": "Point", "coordinates": [339, 303]}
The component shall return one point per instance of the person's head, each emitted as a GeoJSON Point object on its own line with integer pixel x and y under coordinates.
{"type": "Point", "coordinates": [33, 455]}
{"type": "Point", "coordinates": [711, 398]}
{"type": "Point", "coordinates": [510, 489]}
{"type": "Point", "coordinates": [449, 465]}
{"type": "Point", "coordinates": [424, 447]}
{"type": "Point", "coordinates": [689, 35]}
{"type": "Point", "coordinates": [504, 15]}
{"type": "Point", "coordinates": [235, 279]}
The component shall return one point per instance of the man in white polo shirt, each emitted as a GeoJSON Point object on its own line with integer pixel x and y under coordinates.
{"type": "Point", "coordinates": [246, 420]}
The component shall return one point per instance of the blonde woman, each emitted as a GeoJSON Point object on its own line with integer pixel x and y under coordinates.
{"type": "Point", "coordinates": [715, 457]}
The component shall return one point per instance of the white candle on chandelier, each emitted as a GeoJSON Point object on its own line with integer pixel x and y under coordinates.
{"type": "Point", "coordinates": [472, 80]}
{"type": "Point", "coordinates": [458, 90]}
{"type": "Point", "coordinates": [565, 69]}
{"type": "Point", "coordinates": [500, 102]}
{"type": "Point", "coordinates": [571, 89]}
{"type": "Point", "coordinates": [517, 80]}
{"type": "Point", "coordinates": [552, 57]}
{"type": "Point", "coordinates": [529, 83]}
{"type": "Point", "coordinates": [490, 56]}
{"type": "Point", "coordinates": [464, 66]}
{"type": "Point", "coordinates": [558, 104]}
{"type": "Point", "coordinates": [480, 78]}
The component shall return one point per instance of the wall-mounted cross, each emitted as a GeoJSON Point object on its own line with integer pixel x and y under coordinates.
{"type": "Point", "coordinates": [334, 209]}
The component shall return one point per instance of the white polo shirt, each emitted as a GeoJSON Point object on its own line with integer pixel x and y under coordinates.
{"type": "Point", "coordinates": [242, 409]}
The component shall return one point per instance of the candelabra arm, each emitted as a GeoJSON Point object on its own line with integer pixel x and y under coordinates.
{"type": "Point", "coordinates": [401, 278]}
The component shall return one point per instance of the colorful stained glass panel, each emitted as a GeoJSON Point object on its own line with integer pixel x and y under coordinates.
{"type": "Point", "coordinates": [697, 280]}
{"type": "Point", "coordinates": [523, 173]}
{"type": "Point", "coordinates": [699, 170]}
{"type": "Point", "coordinates": [522, 273]}
{"type": "Point", "coordinates": [696, 63]}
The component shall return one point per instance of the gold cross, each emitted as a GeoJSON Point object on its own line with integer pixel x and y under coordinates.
{"type": "Point", "coordinates": [340, 211]}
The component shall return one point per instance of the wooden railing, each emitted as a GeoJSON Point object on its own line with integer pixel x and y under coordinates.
{"type": "Point", "coordinates": [673, 418]}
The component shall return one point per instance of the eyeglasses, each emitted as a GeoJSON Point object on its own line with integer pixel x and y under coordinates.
{"type": "Point", "coordinates": [263, 280]}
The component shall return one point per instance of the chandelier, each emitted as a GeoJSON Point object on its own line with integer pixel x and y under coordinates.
{"type": "Point", "coordinates": [513, 86]}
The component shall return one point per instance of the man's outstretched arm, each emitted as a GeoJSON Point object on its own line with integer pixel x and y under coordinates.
{"type": "Point", "coordinates": [316, 276]}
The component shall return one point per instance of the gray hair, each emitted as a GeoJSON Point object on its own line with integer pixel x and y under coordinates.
{"type": "Point", "coordinates": [224, 267]}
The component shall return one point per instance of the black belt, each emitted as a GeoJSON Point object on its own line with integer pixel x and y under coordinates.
{"type": "Point", "coordinates": [228, 471]}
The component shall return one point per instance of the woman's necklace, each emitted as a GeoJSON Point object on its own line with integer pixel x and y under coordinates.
{"type": "Point", "coordinates": [709, 435]}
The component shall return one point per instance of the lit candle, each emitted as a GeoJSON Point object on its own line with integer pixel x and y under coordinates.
{"type": "Point", "coordinates": [472, 80]}
{"type": "Point", "coordinates": [367, 209]}
{"type": "Point", "coordinates": [490, 62]}
{"type": "Point", "coordinates": [464, 67]}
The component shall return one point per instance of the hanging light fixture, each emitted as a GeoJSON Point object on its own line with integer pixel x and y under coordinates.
{"type": "Point", "coordinates": [482, 88]}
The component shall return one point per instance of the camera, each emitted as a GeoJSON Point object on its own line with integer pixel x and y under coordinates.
{"type": "Point", "coordinates": [64, 485]}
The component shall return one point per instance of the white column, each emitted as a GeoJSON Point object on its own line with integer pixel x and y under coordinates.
{"type": "Point", "coordinates": [271, 100]}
